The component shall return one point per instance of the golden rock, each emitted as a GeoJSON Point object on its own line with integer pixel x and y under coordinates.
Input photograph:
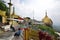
{"type": "Point", "coordinates": [46, 20]}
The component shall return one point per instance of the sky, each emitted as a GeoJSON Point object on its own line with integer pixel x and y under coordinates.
{"type": "Point", "coordinates": [37, 8]}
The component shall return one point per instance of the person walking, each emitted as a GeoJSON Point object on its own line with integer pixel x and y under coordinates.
{"type": "Point", "coordinates": [17, 34]}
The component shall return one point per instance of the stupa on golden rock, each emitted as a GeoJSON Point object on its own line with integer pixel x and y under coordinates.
{"type": "Point", "coordinates": [47, 21]}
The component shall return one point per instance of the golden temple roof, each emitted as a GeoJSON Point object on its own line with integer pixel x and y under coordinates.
{"type": "Point", "coordinates": [47, 20]}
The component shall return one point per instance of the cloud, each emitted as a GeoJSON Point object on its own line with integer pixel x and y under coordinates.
{"type": "Point", "coordinates": [25, 8]}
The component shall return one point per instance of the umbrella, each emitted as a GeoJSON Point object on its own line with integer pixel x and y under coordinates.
{"type": "Point", "coordinates": [14, 19]}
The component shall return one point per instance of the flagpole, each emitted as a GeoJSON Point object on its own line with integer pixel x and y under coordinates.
{"type": "Point", "coordinates": [33, 14]}
{"type": "Point", "coordinates": [10, 4]}
{"type": "Point", "coordinates": [33, 18]}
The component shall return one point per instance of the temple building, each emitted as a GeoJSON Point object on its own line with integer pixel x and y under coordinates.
{"type": "Point", "coordinates": [8, 19]}
{"type": "Point", "coordinates": [3, 16]}
{"type": "Point", "coordinates": [47, 21]}
{"type": "Point", "coordinates": [13, 16]}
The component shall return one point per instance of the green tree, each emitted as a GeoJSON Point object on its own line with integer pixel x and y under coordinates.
{"type": "Point", "coordinates": [3, 6]}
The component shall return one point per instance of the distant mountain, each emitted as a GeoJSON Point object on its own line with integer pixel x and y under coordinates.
{"type": "Point", "coordinates": [56, 28]}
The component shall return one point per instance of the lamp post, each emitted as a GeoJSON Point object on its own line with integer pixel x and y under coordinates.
{"type": "Point", "coordinates": [10, 4]}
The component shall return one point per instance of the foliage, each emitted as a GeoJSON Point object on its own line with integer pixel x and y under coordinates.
{"type": "Point", "coordinates": [47, 29]}
{"type": "Point", "coordinates": [3, 6]}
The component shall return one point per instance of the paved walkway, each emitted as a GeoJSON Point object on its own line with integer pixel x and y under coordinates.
{"type": "Point", "coordinates": [9, 36]}
{"type": "Point", "coordinates": [6, 35]}
{"type": "Point", "coordinates": [17, 38]}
